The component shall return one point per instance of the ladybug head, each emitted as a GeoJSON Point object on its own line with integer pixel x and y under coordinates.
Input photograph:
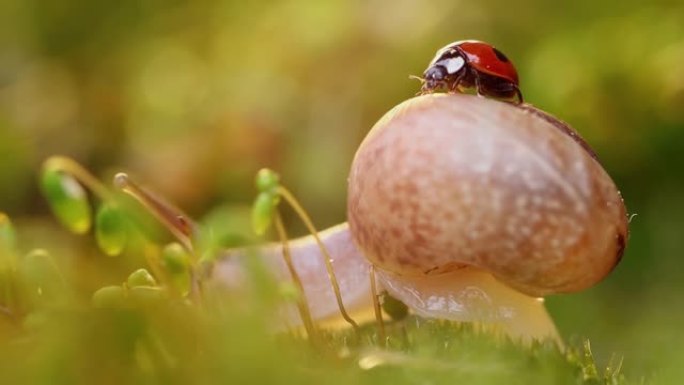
{"type": "Point", "coordinates": [434, 76]}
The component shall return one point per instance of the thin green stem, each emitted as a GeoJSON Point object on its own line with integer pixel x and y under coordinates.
{"type": "Point", "coordinates": [171, 217]}
{"type": "Point", "coordinates": [302, 303]}
{"type": "Point", "coordinates": [292, 201]}
{"type": "Point", "coordinates": [376, 308]}
{"type": "Point", "coordinates": [175, 220]}
{"type": "Point", "coordinates": [71, 167]}
{"type": "Point", "coordinates": [8, 267]}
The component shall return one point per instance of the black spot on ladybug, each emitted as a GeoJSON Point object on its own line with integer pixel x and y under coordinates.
{"type": "Point", "coordinates": [500, 55]}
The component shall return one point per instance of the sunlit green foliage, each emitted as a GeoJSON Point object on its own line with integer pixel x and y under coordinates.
{"type": "Point", "coordinates": [158, 337]}
{"type": "Point", "coordinates": [67, 199]}
{"type": "Point", "coordinates": [8, 262]}
{"type": "Point", "coordinates": [8, 236]}
{"type": "Point", "coordinates": [135, 332]}
{"type": "Point", "coordinates": [109, 297]}
{"type": "Point", "coordinates": [263, 211]}
{"type": "Point", "coordinates": [42, 278]}
{"type": "Point", "coordinates": [264, 207]}
{"type": "Point", "coordinates": [110, 229]}
{"type": "Point", "coordinates": [141, 277]}
{"type": "Point", "coordinates": [176, 261]}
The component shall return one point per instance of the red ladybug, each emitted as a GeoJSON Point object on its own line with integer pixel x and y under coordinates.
{"type": "Point", "coordinates": [472, 64]}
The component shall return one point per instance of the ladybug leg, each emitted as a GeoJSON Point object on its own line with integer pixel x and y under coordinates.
{"type": "Point", "coordinates": [453, 86]}
{"type": "Point", "coordinates": [515, 93]}
{"type": "Point", "coordinates": [478, 85]}
{"type": "Point", "coordinates": [478, 88]}
{"type": "Point", "coordinates": [500, 89]}
{"type": "Point", "coordinates": [518, 95]}
{"type": "Point", "coordinates": [424, 90]}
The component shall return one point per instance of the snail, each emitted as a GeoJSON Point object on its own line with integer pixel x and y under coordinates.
{"type": "Point", "coordinates": [467, 209]}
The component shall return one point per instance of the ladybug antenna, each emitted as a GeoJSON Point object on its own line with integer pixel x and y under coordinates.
{"type": "Point", "coordinates": [414, 77]}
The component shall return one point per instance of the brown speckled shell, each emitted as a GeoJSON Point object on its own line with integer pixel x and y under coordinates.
{"type": "Point", "coordinates": [444, 181]}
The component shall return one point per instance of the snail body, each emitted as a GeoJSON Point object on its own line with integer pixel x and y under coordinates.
{"type": "Point", "coordinates": [349, 263]}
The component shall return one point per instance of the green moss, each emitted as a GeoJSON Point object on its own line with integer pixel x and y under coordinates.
{"type": "Point", "coordinates": [142, 332]}
{"type": "Point", "coordinates": [223, 341]}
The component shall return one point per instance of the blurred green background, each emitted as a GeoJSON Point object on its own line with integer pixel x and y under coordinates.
{"type": "Point", "coordinates": [194, 97]}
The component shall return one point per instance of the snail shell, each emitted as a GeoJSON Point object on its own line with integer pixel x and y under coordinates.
{"type": "Point", "coordinates": [447, 181]}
